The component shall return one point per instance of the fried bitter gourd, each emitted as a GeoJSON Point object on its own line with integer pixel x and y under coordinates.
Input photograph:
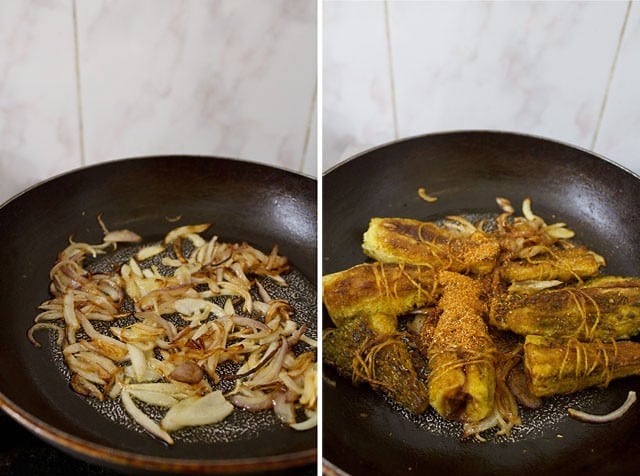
{"type": "Point", "coordinates": [377, 288]}
{"type": "Point", "coordinates": [559, 366]}
{"type": "Point", "coordinates": [471, 377]}
{"type": "Point", "coordinates": [404, 240]}
{"type": "Point", "coordinates": [461, 354]}
{"type": "Point", "coordinates": [561, 264]}
{"type": "Point", "coordinates": [603, 308]}
{"type": "Point", "coordinates": [369, 349]}
{"type": "Point", "coordinates": [471, 250]}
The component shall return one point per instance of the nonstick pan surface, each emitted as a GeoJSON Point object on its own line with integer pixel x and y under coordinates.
{"type": "Point", "coordinates": [244, 201]}
{"type": "Point", "coordinates": [363, 433]}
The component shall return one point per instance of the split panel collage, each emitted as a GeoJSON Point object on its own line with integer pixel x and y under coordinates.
{"type": "Point", "coordinates": [319, 237]}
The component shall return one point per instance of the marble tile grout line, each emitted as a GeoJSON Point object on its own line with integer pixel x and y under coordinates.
{"type": "Point", "coordinates": [78, 83]}
{"type": "Point", "coordinates": [307, 134]}
{"type": "Point", "coordinates": [612, 70]}
{"type": "Point", "coordinates": [394, 108]}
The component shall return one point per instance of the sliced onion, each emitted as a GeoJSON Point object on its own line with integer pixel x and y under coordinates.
{"type": "Point", "coordinates": [70, 317]}
{"type": "Point", "coordinates": [159, 399]}
{"type": "Point", "coordinates": [182, 231]}
{"type": "Point", "coordinates": [252, 400]}
{"type": "Point", "coordinates": [187, 372]}
{"type": "Point", "coordinates": [290, 383]}
{"type": "Point", "coordinates": [307, 424]}
{"type": "Point", "coordinates": [176, 389]}
{"type": "Point", "coordinates": [264, 295]}
{"type": "Point", "coordinates": [460, 224]}
{"type": "Point", "coordinates": [474, 429]}
{"type": "Point", "coordinates": [112, 348]}
{"type": "Point", "coordinates": [147, 252]}
{"type": "Point", "coordinates": [232, 289]}
{"type": "Point", "coordinates": [559, 231]}
{"type": "Point", "coordinates": [45, 325]}
{"type": "Point", "coordinates": [310, 390]}
{"type": "Point", "coordinates": [193, 307]}
{"type": "Point", "coordinates": [505, 205]}
{"type": "Point", "coordinates": [248, 322]}
{"type": "Point", "coordinates": [526, 210]}
{"type": "Point", "coordinates": [308, 340]}
{"type": "Point", "coordinates": [270, 373]}
{"type": "Point", "coordinates": [138, 361]}
{"type": "Point", "coordinates": [283, 409]}
{"type": "Point", "coordinates": [140, 417]}
{"type": "Point", "coordinates": [122, 236]}
{"type": "Point", "coordinates": [422, 193]}
{"type": "Point", "coordinates": [197, 411]}
{"type": "Point", "coordinates": [614, 415]}
{"type": "Point", "coordinates": [84, 387]}
{"type": "Point", "coordinates": [100, 361]}
{"type": "Point", "coordinates": [533, 286]}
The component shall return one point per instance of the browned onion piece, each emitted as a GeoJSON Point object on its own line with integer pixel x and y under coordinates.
{"type": "Point", "coordinates": [517, 383]}
{"type": "Point", "coordinates": [84, 387]}
{"type": "Point", "coordinates": [248, 322]}
{"type": "Point", "coordinates": [122, 236]}
{"type": "Point", "coordinates": [187, 372]}
{"type": "Point", "coordinates": [270, 373]}
{"type": "Point", "coordinates": [422, 193]}
{"type": "Point", "coordinates": [611, 416]}
{"type": "Point", "coordinates": [253, 401]}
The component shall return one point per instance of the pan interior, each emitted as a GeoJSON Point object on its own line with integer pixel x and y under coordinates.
{"type": "Point", "coordinates": [241, 425]}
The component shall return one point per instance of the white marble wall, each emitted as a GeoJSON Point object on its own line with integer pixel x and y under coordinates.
{"type": "Point", "coordinates": [566, 70]}
{"type": "Point", "coordinates": [84, 81]}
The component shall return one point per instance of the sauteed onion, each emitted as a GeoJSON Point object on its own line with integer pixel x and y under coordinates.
{"type": "Point", "coordinates": [611, 416]}
{"type": "Point", "coordinates": [173, 323]}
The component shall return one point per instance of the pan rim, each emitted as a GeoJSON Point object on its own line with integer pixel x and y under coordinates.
{"type": "Point", "coordinates": [493, 132]}
{"type": "Point", "coordinates": [125, 459]}
{"type": "Point", "coordinates": [116, 161]}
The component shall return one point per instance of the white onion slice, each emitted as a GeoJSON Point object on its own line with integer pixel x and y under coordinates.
{"type": "Point", "coordinates": [45, 325]}
{"type": "Point", "coordinates": [159, 399]}
{"type": "Point", "coordinates": [533, 286]}
{"type": "Point", "coordinates": [526, 209]}
{"type": "Point", "coordinates": [196, 411]}
{"type": "Point", "coordinates": [307, 424]}
{"type": "Point", "coordinates": [147, 252]}
{"type": "Point", "coordinates": [146, 422]}
{"type": "Point", "coordinates": [138, 361]}
{"type": "Point", "coordinates": [611, 416]}
{"type": "Point", "coordinates": [182, 231]}
{"type": "Point", "coordinates": [122, 236]}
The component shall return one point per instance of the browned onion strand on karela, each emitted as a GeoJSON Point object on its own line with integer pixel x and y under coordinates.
{"type": "Point", "coordinates": [200, 313]}
{"type": "Point", "coordinates": [503, 312]}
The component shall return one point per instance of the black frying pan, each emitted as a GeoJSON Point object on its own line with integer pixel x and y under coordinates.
{"type": "Point", "coordinates": [244, 201]}
{"type": "Point", "coordinates": [362, 432]}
